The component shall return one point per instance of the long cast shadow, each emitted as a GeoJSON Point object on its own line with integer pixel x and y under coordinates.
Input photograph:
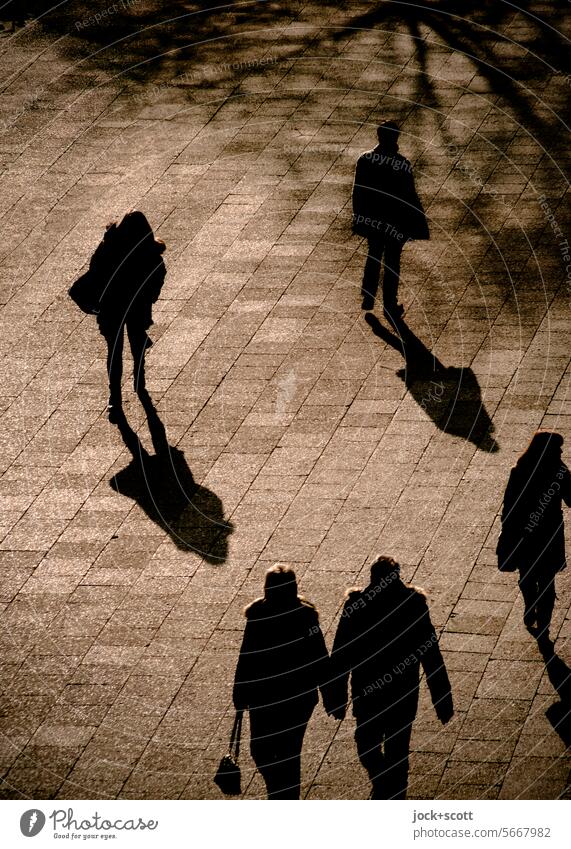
{"type": "Point", "coordinates": [164, 487]}
{"type": "Point", "coordinates": [559, 714]}
{"type": "Point", "coordinates": [450, 395]}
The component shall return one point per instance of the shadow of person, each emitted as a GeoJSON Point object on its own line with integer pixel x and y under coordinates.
{"type": "Point", "coordinates": [559, 713]}
{"type": "Point", "coordinates": [163, 486]}
{"type": "Point", "coordinates": [451, 396]}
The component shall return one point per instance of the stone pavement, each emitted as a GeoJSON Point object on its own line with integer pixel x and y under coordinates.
{"type": "Point", "coordinates": [237, 132]}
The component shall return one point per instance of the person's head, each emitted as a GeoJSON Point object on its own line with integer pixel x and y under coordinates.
{"type": "Point", "coordinates": [280, 586]}
{"type": "Point", "coordinates": [135, 226]}
{"type": "Point", "coordinates": [388, 135]}
{"type": "Point", "coordinates": [134, 229]}
{"type": "Point", "coordinates": [384, 571]}
{"type": "Point", "coordinates": [545, 447]}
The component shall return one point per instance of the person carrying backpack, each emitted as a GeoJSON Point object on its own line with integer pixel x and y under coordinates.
{"type": "Point", "coordinates": [125, 278]}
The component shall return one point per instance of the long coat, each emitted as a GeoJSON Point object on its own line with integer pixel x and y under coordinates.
{"type": "Point", "coordinates": [383, 638]}
{"type": "Point", "coordinates": [283, 659]}
{"type": "Point", "coordinates": [385, 199]}
{"type": "Point", "coordinates": [128, 278]}
{"type": "Point", "coordinates": [532, 518]}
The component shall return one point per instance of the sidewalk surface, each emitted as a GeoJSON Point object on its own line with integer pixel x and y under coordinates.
{"type": "Point", "coordinates": [237, 133]}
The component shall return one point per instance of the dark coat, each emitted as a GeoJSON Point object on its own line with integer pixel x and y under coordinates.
{"type": "Point", "coordinates": [385, 201]}
{"type": "Point", "coordinates": [128, 279]}
{"type": "Point", "coordinates": [283, 659]}
{"type": "Point", "coordinates": [383, 638]}
{"type": "Point", "coordinates": [532, 518]}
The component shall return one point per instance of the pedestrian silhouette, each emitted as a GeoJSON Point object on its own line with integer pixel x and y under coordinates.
{"type": "Point", "coordinates": [533, 535]}
{"type": "Point", "coordinates": [163, 486]}
{"type": "Point", "coordinates": [383, 638]}
{"type": "Point", "coordinates": [387, 212]}
{"type": "Point", "coordinates": [128, 273]}
{"type": "Point", "coordinates": [283, 662]}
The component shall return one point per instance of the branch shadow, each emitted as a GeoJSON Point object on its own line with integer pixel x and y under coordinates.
{"type": "Point", "coordinates": [185, 35]}
{"type": "Point", "coordinates": [162, 484]}
{"type": "Point", "coordinates": [450, 395]}
{"type": "Point", "coordinates": [139, 40]}
{"type": "Point", "coordinates": [473, 31]}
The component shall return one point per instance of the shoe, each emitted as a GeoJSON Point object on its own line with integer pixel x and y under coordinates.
{"type": "Point", "coordinates": [368, 302]}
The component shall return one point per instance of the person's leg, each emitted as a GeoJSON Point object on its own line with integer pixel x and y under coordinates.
{"type": "Point", "coordinates": [397, 746]}
{"type": "Point", "coordinates": [369, 734]}
{"type": "Point", "coordinates": [114, 338]}
{"type": "Point", "coordinates": [262, 743]}
{"type": "Point", "coordinates": [391, 277]}
{"type": "Point", "coordinates": [138, 342]}
{"type": "Point", "coordinates": [372, 272]}
{"type": "Point", "coordinates": [285, 781]}
{"type": "Point", "coordinates": [276, 743]}
{"type": "Point", "coordinates": [529, 590]}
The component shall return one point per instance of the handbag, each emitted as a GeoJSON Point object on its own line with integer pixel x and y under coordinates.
{"type": "Point", "coordinates": [86, 294]}
{"type": "Point", "coordinates": [228, 773]}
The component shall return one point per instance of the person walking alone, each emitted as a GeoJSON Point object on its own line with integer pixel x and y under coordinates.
{"type": "Point", "coordinates": [128, 273]}
{"type": "Point", "coordinates": [387, 212]}
{"type": "Point", "coordinates": [533, 535]}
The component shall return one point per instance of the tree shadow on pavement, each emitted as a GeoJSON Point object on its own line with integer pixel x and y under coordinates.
{"type": "Point", "coordinates": [163, 486]}
{"type": "Point", "coordinates": [450, 395]}
{"type": "Point", "coordinates": [147, 35]}
{"type": "Point", "coordinates": [139, 39]}
{"type": "Point", "coordinates": [476, 30]}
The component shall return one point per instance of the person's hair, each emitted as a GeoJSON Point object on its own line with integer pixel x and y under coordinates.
{"type": "Point", "coordinates": [280, 592]}
{"type": "Point", "coordinates": [280, 588]}
{"type": "Point", "coordinates": [135, 231]}
{"type": "Point", "coordinates": [384, 570]}
{"type": "Point", "coordinates": [545, 446]}
{"type": "Point", "coordinates": [385, 573]}
{"type": "Point", "coordinates": [388, 134]}
{"type": "Point", "coordinates": [280, 585]}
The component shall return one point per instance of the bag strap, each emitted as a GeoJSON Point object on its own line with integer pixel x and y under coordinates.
{"type": "Point", "coordinates": [234, 748]}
